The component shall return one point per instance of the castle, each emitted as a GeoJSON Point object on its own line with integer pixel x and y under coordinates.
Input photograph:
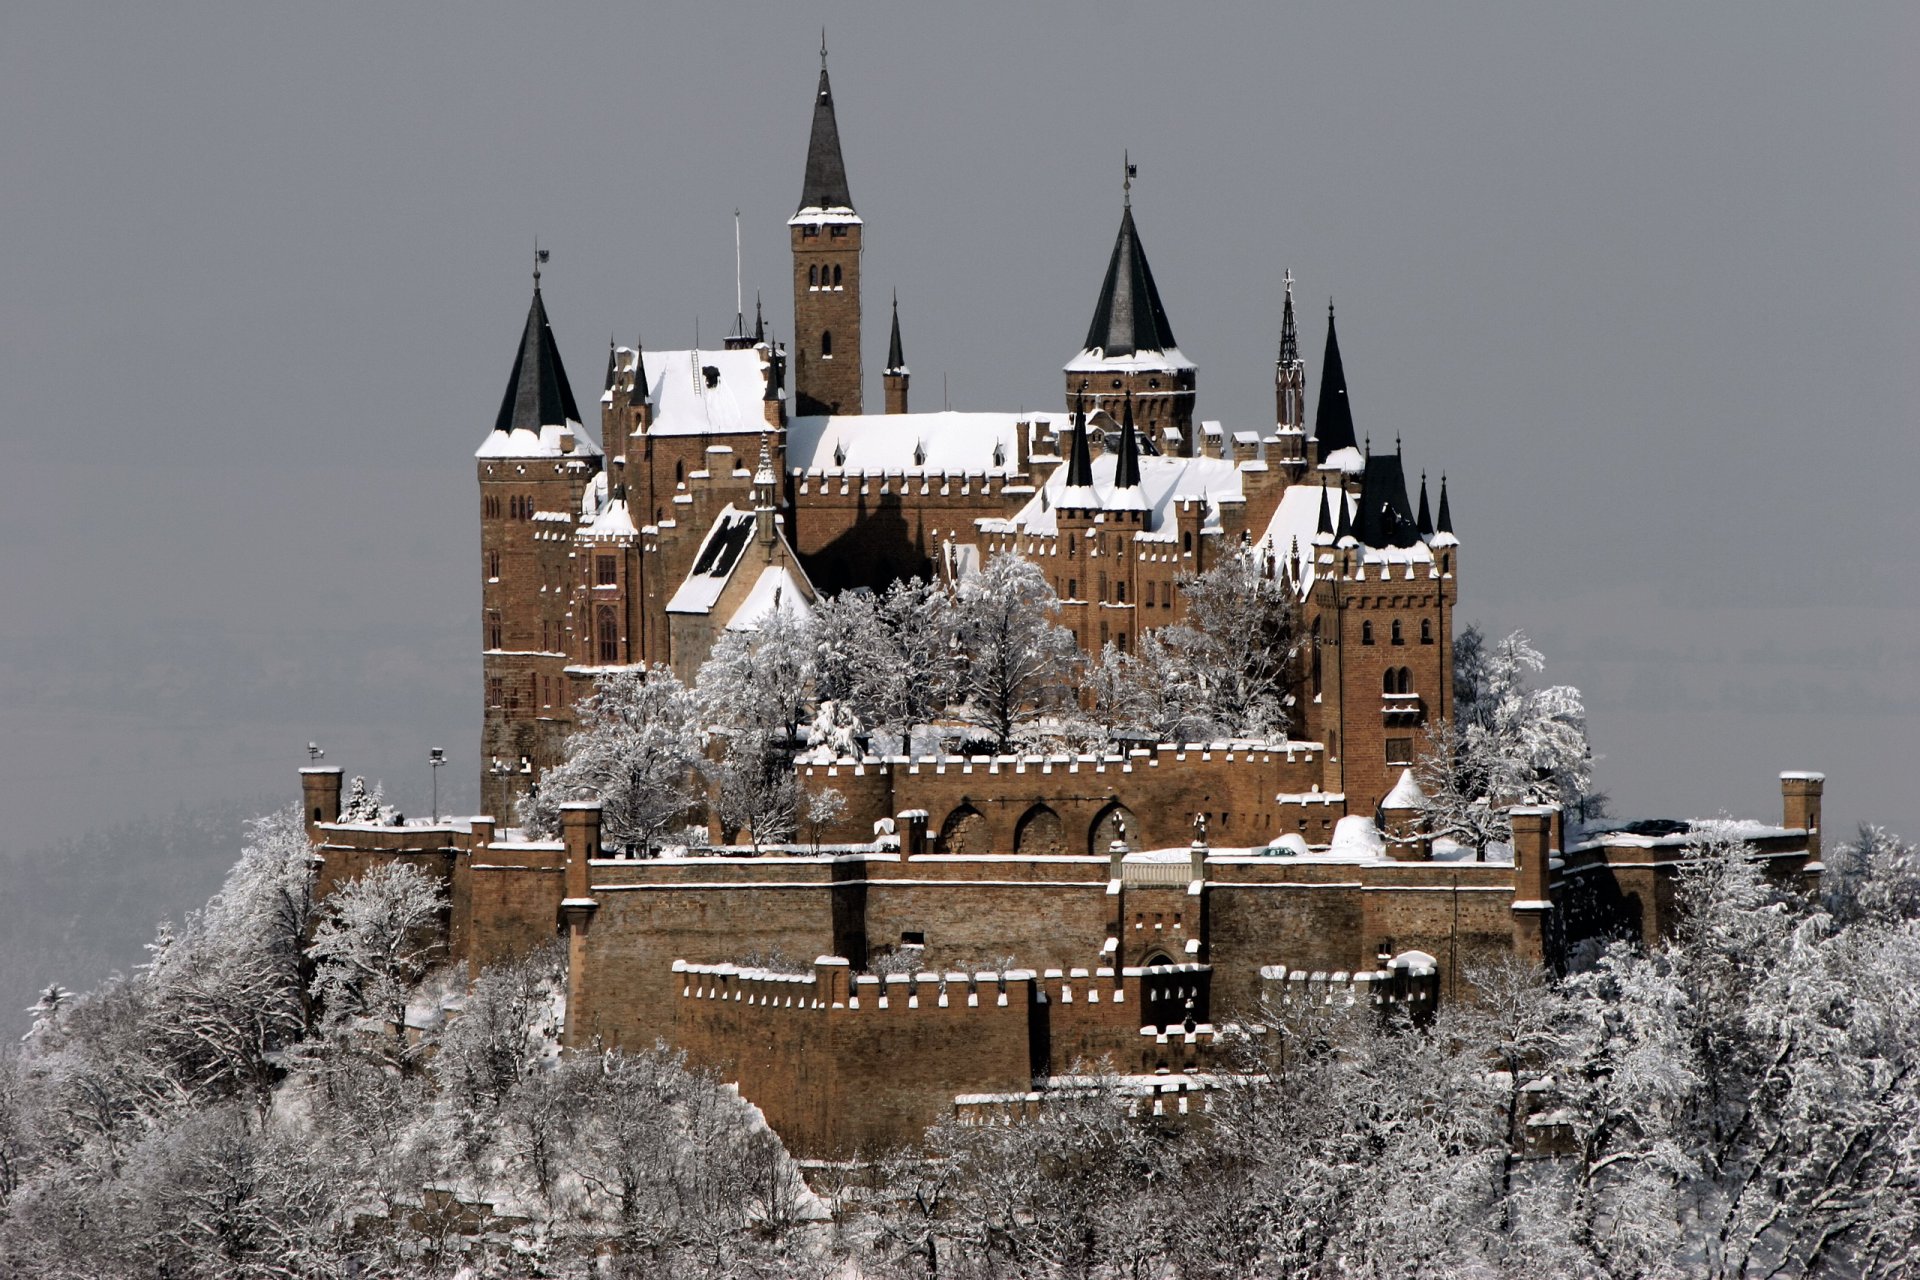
{"type": "Point", "coordinates": [1050, 909]}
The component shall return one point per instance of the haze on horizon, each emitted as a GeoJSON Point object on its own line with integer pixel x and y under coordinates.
{"type": "Point", "coordinates": [1641, 281]}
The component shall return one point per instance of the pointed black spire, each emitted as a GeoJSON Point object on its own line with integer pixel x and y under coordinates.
{"type": "Point", "coordinates": [1326, 516]}
{"type": "Point", "coordinates": [1129, 318]}
{"type": "Point", "coordinates": [1079, 460]}
{"type": "Point", "coordinates": [538, 394]}
{"type": "Point", "coordinates": [608, 384]}
{"type": "Point", "coordinates": [1385, 519]}
{"type": "Point", "coordinates": [1445, 524]}
{"type": "Point", "coordinates": [896, 358]}
{"type": "Point", "coordinates": [1345, 528]}
{"type": "Point", "coordinates": [826, 186]}
{"type": "Point", "coordinates": [1126, 472]}
{"type": "Point", "coordinates": [642, 389]}
{"type": "Point", "coordinates": [776, 370]}
{"type": "Point", "coordinates": [1424, 521]}
{"type": "Point", "coordinates": [1333, 420]}
{"type": "Point", "coordinates": [759, 321]}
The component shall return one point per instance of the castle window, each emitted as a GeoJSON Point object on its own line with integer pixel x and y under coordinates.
{"type": "Point", "coordinates": [1398, 638]}
{"type": "Point", "coordinates": [1103, 635]}
{"type": "Point", "coordinates": [493, 566]}
{"type": "Point", "coordinates": [837, 231]}
{"type": "Point", "coordinates": [813, 276]}
{"type": "Point", "coordinates": [913, 938]}
{"type": "Point", "coordinates": [494, 629]}
{"type": "Point", "coordinates": [1426, 631]}
{"type": "Point", "coordinates": [826, 344]}
{"type": "Point", "coordinates": [1102, 593]}
{"type": "Point", "coordinates": [1125, 647]}
{"type": "Point", "coordinates": [605, 571]}
{"type": "Point", "coordinates": [1399, 750]}
{"type": "Point", "coordinates": [1120, 591]}
{"type": "Point", "coordinates": [1073, 588]}
{"type": "Point", "coordinates": [1387, 681]}
{"type": "Point", "coordinates": [496, 691]}
{"type": "Point", "coordinates": [1366, 633]}
{"type": "Point", "coordinates": [1153, 384]}
{"type": "Point", "coordinates": [609, 636]}
{"type": "Point", "coordinates": [1333, 745]}
{"type": "Point", "coordinates": [679, 472]}
{"type": "Point", "coordinates": [1117, 384]}
{"type": "Point", "coordinates": [1186, 541]}
{"type": "Point", "coordinates": [809, 232]}
{"type": "Point", "coordinates": [836, 277]}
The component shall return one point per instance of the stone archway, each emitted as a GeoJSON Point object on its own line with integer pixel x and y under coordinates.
{"type": "Point", "coordinates": [1040, 832]}
{"type": "Point", "coordinates": [964, 831]}
{"type": "Point", "coordinates": [1106, 828]}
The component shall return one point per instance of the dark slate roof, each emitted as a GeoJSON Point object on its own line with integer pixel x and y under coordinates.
{"type": "Point", "coordinates": [1333, 420]}
{"type": "Point", "coordinates": [642, 389]}
{"type": "Point", "coordinates": [1079, 460]}
{"type": "Point", "coordinates": [1326, 517]}
{"type": "Point", "coordinates": [826, 186]}
{"type": "Point", "coordinates": [1386, 520]}
{"type": "Point", "coordinates": [896, 358]}
{"type": "Point", "coordinates": [1424, 521]}
{"type": "Point", "coordinates": [608, 384]}
{"type": "Point", "coordinates": [1446, 514]}
{"type": "Point", "coordinates": [1289, 339]}
{"type": "Point", "coordinates": [1126, 472]}
{"type": "Point", "coordinates": [538, 394]}
{"type": "Point", "coordinates": [1129, 317]}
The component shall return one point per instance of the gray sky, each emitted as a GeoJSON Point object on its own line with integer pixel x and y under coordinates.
{"type": "Point", "coordinates": [1641, 280]}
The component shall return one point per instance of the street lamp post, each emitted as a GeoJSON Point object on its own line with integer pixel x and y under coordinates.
{"type": "Point", "coordinates": [436, 757]}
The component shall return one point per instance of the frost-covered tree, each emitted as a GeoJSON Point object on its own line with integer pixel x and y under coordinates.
{"type": "Point", "coordinates": [824, 808]}
{"type": "Point", "coordinates": [1508, 744]}
{"type": "Point", "coordinates": [887, 657]}
{"type": "Point", "coordinates": [378, 935]}
{"type": "Point", "coordinates": [1876, 874]}
{"type": "Point", "coordinates": [362, 804]}
{"type": "Point", "coordinates": [1240, 638]}
{"type": "Point", "coordinates": [637, 751]}
{"type": "Point", "coordinates": [1018, 661]}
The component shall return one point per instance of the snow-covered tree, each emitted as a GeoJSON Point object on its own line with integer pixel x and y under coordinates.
{"type": "Point", "coordinates": [362, 804]}
{"type": "Point", "coordinates": [1018, 660]}
{"type": "Point", "coordinates": [1876, 874]}
{"type": "Point", "coordinates": [824, 808]}
{"type": "Point", "coordinates": [1240, 638]}
{"type": "Point", "coordinates": [637, 751]}
{"type": "Point", "coordinates": [378, 935]}
{"type": "Point", "coordinates": [889, 657]}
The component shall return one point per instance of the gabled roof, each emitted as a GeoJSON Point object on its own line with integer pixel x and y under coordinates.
{"type": "Point", "coordinates": [709, 392]}
{"type": "Point", "coordinates": [826, 184]}
{"type": "Point", "coordinates": [1333, 419]}
{"type": "Point", "coordinates": [538, 407]}
{"type": "Point", "coordinates": [1129, 319]}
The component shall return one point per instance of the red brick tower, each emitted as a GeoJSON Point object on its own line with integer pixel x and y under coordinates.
{"type": "Point", "coordinates": [826, 272]}
{"type": "Point", "coordinates": [534, 467]}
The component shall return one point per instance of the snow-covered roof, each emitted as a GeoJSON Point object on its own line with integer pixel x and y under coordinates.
{"type": "Point", "coordinates": [1296, 520]}
{"type": "Point", "coordinates": [684, 404]}
{"type": "Point", "coordinates": [1096, 360]}
{"type": "Point", "coordinates": [1406, 793]}
{"type": "Point", "coordinates": [613, 520]}
{"type": "Point", "coordinates": [912, 443]}
{"type": "Point", "coordinates": [714, 564]}
{"type": "Point", "coordinates": [814, 215]}
{"type": "Point", "coordinates": [775, 590]}
{"type": "Point", "coordinates": [1349, 460]}
{"type": "Point", "coordinates": [1163, 482]}
{"type": "Point", "coordinates": [544, 443]}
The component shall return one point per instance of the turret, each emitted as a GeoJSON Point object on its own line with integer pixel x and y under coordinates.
{"type": "Point", "coordinates": [897, 374]}
{"type": "Point", "coordinates": [825, 233]}
{"type": "Point", "coordinates": [1333, 418]}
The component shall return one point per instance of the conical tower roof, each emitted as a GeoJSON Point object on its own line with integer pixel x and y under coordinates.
{"type": "Point", "coordinates": [1129, 318]}
{"type": "Point", "coordinates": [826, 185]}
{"type": "Point", "coordinates": [538, 394]}
{"type": "Point", "coordinates": [1333, 419]}
{"type": "Point", "coordinates": [1126, 470]}
{"type": "Point", "coordinates": [896, 356]}
{"type": "Point", "coordinates": [1424, 521]}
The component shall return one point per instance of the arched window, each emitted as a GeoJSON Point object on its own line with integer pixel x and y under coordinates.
{"type": "Point", "coordinates": [1426, 631]}
{"type": "Point", "coordinates": [826, 344]}
{"type": "Point", "coordinates": [836, 277]}
{"type": "Point", "coordinates": [1366, 632]}
{"type": "Point", "coordinates": [493, 629]}
{"type": "Point", "coordinates": [679, 472]}
{"type": "Point", "coordinates": [1387, 681]}
{"type": "Point", "coordinates": [1398, 638]}
{"type": "Point", "coordinates": [609, 635]}
{"type": "Point", "coordinates": [813, 275]}
{"type": "Point", "coordinates": [1403, 681]}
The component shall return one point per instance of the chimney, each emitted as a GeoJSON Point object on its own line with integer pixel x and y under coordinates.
{"type": "Point", "coordinates": [1532, 834]}
{"type": "Point", "coordinates": [320, 787]}
{"type": "Point", "coordinates": [580, 833]}
{"type": "Point", "coordinates": [913, 833]}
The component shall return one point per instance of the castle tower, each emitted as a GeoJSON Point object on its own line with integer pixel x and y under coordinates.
{"type": "Point", "coordinates": [1333, 418]}
{"type": "Point", "coordinates": [534, 467]}
{"type": "Point", "coordinates": [1130, 347]}
{"type": "Point", "coordinates": [826, 272]}
{"type": "Point", "coordinates": [897, 374]}
{"type": "Point", "coordinates": [1289, 374]}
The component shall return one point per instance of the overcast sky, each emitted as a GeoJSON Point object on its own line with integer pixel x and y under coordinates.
{"type": "Point", "coordinates": [1642, 281]}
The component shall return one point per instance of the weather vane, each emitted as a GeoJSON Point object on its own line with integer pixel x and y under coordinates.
{"type": "Point", "coordinates": [1126, 183]}
{"type": "Point", "coordinates": [539, 256]}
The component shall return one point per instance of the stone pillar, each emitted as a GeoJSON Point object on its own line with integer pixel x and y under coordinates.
{"type": "Point", "coordinates": [913, 833]}
{"type": "Point", "coordinates": [580, 833]}
{"type": "Point", "coordinates": [1532, 837]}
{"type": "Point", "coordinates": [830, 980]}
{"type": "Point", "coordinates": [320, 792]}
{"type": "Point", "coordinates": [1800, 803]}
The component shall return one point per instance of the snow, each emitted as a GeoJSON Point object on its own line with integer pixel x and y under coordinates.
{"type": "Point", "coordinates": [1290, 845]}
{"type": "Point", "coordinates": [1164, 481]}
{"type": "Point", "coordinates": [684, 405]}
{"type": "Point", "coordinates": [1096, 360]}
{"type": "Point", "coordinates": [612, 521]}
{"type": "Point", "coordinates": [546, 443]}
{"type": "Point", "coordinates": [776, 588]}
{"type": "Point", "coordinates": [1356, 834]}
{"type": "Point", "coordinates": [701, 590]}
{"type": "Point", "coordinates": [816, 216]}
{"type": "Point", "coordinates": [1350, 460]}
{"type": "Point", "coordinates": [948, 443]}
{"type": "Point", "coordinates": [1406, 793]}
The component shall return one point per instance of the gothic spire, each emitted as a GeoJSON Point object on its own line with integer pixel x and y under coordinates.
{"type": "Point", "coordinates": [1129, 318]}
{"type": "Point", "coordinates": [1079, 460]}
{"type": "Point", "coordinates": [1326, 515]}
{"type": "Point", "coordinates": [1126, 472]}
{"type": "Point", "coordinates": [826, 185]}
{"type": "Point", "coordinates": [1445, 524]}
{"type": "Point", "coordinates": [896, 357]}
{"type": "Point", "coordinates": [1289, 340]}
{"type": "Point", "coordinates": [1343, 533]}
{"type": "Point", "coordinates": [1424, 521]}
{"type": "Point", "coordinates": [608, 384]}
{"type": "Point", "coordinates": [642, 389]}
{"type": "Point", "coordinates": [1333, 420]}
{"type": "Point", "coordinates": [538, 394]}
{"type": "Point", "coordinates": [759, 321]}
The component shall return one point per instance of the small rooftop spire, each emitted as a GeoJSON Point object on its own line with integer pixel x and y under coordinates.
{"type": "Point", "coordinates": [1326, 514]}
{"type": "Point", "coordinates": [759, 320]}
{"type": "Point", "coordinates": [1424, 521]}
{"type": "Point", "coordinates": [608, 385]}
{"type": "Point", "coordinates": [1343, 532]}
{"type": "Point", "coordinates": [896, 357]}
{"type": "Point", "coordinates": [1126, 472]}
{"type": "Point", "coordinates": [1333, 419]}
{"type": "Point", "coordinates": [1445, 524]}
{"type": "Point", "coordinates": [642, 388]}
{"type": "Point", "coordinates": [1289, 339]}
{"type": "Point", "coordinates": [1126, 183]}
{"type": "Point", "coordinates": [1079, 460]}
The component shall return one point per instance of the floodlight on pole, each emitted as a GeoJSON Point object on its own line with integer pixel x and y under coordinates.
{"type": "Point", "coordinates": [436, 757]}
{"type": "Point", "coordinates": [314, 753]}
